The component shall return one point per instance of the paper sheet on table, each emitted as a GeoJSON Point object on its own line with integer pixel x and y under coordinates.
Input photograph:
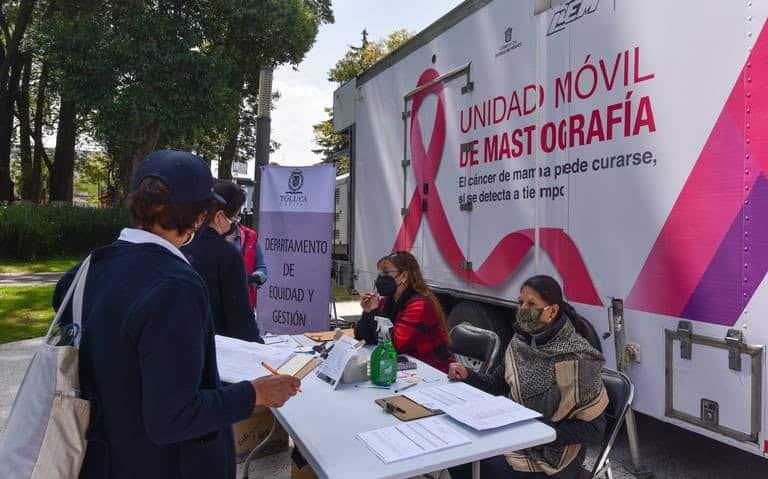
{"type": "Point", "coordinates": [273, 339]}
{"type": "Point", "coordinates": [490, 413]}
{"type": "Point", "coordinates": [347, 339]}
{"type": "Point", "coordinates": [241, 360]}
{"type": "Point", "coordinates": [333, 367]}
{"type": "Point", "coordinates": [439, 397]}
{"type": "Point", "coordinates": [303, 341]}
{"type": "Point", "coordinates": [412, 439]}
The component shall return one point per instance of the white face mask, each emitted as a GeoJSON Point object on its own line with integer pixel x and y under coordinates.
{"type": "Point", "coordinates": [191, 236]}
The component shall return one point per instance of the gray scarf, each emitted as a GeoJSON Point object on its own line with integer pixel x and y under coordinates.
{"type": "Point", "coordinates": [561, 380]}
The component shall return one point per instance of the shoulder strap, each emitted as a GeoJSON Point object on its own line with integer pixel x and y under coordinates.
{"type": "Point", "coordinates": [76, 290]}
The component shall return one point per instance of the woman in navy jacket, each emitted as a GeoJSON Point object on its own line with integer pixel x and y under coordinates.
{"type": "Point", "coordinates": [147, 357]}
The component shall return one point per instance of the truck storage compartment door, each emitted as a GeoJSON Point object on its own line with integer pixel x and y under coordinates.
{"type": "Point", "coordinates": [714, 383]}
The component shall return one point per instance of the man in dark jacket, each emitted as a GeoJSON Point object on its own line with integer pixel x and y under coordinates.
{"type": "Point", "coordinates": [147, 355]}
{"type": "Point", "coordinates": [221, 266]}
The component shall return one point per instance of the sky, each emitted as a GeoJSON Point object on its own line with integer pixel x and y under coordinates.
{"type": "Point", "coordinates": [306, 92]}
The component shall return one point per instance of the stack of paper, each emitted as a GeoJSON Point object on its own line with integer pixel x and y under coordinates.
{"type": "Point", "coordinates": [241, 360]}
{"type": "Point", "coordinates": [496, 411]}
{"type": "Point", "coordinates": [440, 397]}
{"type": "Point", "coordinates": [471, 406]}
{"type": "Point", "coordinates": [412, 439]}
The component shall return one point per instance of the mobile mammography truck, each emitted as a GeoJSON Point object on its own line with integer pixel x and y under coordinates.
{"type": "Point", "coordinates": [618, 145]}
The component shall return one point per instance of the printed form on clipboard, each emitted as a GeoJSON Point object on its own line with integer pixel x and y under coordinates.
{"type": "Point", "coordinates": [471, 406]}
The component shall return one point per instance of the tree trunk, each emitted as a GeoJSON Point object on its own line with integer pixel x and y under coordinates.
{"type": "Point", "coordinates": [8, 84]}
{"type": "Point", "coordinates": [25, 129]}
{"type": "Point", "coordinates": [151, 136]}
{"type": "Point", "coordinates": [6, 134]}
{"type": "Point", "coordinates": [127, 158]}
{"type": "Point", "coordinates": [39, 154]}
{"type": "Point", "coordinates": [62, 176]}
{"type": "Point", "coordinates": [228, 155]}
{"type": "Point", "coordinates": [12, 51]}
{"type": "Point", "coordinates": [7, 97]}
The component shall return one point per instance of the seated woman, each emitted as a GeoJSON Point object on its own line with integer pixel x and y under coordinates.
{"type": "Point", "coordinates": [405, 311]}
{"type": "Point", "coordinates": [553, 370]}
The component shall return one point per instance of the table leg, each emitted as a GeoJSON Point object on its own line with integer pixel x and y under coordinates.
{"type": "Point", "coordinates": [476, 470]}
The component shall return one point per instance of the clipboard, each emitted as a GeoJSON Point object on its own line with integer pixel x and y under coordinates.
{"type": "Point", "coordinates": [405, 409]}
{"type": "Point", "coordinates": [299, 366]}
{"type": "Point", "coordinates": [329, 335]}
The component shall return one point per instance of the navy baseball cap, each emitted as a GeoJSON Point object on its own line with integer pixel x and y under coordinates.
{"type": "Point", "coordinates": [188, 176]}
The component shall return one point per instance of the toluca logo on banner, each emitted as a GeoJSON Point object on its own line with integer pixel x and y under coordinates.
{"type": "Point", "coordinates": [295, 181]}
{"type": "Point", "coordinates": [510, 42]}
{"type": "Point", "coordinates": [571, 11]}
{"type": "Point", "coordinates": [294, 196]}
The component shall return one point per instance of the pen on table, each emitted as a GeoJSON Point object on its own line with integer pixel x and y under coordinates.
{"type": "Point", "coordinates": [272, 370]}
{"type": "Point", "coordinates": [405, 387]}
{"type": "Point", "coordinates": [371, 386]}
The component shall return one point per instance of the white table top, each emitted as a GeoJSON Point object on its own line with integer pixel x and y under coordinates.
{"type": "Point", "coordinates": [323, 423]}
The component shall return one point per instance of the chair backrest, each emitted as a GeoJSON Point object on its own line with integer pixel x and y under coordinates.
{"type": "Point", "coordinates": [586, 330]}
{"type": "Point", "coordinates": [620, 391]}
{"type": "Point", "coordinates": [474, 347]}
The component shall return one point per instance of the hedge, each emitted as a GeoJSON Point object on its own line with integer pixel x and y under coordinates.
{"type": "Point", "coordinates": [30, 232]}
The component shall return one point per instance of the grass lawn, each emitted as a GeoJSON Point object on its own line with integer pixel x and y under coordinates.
{"type": "Point", "coordinates": [25, 312]}
{"type": "Point", "coordinates": [343, 294]}
{"type": "Point", "coordinates": [51, 265]}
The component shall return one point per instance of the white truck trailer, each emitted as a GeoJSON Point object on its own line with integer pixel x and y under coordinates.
{"type": "Point", "coordinates": [618, 145]}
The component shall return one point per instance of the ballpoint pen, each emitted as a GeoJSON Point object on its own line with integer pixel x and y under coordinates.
{"type": "Point", "coordinates": [405, 387]}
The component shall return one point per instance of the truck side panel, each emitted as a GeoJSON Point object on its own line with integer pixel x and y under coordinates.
{"type": "Point", "coordinates": [618, 146]}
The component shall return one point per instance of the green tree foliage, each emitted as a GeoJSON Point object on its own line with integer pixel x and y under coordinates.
{"type": "Point", "coordinates": [260, 34]}
{"type": "Point", "coordinates": [137, 75]}
{"type": "Point", "coordinates": [334, 146]}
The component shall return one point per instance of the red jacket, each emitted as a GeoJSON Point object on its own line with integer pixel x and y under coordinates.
{"type": "Point", "coordinates": [248, 242]}
{"type": "Point", "coordinates": [417, 329]}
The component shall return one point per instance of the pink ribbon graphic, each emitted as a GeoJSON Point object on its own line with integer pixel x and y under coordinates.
{"type": "Point", "coordinates": [509, 252]}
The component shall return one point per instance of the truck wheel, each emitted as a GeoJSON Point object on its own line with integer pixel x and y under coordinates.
{"type": "Point", "coordinates": [484, 316]}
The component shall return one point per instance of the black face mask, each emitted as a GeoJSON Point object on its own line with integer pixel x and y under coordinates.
{"type": "Point", "coordinates": [385, 285]}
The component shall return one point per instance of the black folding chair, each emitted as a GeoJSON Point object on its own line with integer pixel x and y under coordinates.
{"type": "Point", "coordinates": [620, 391]}
{"type": "Point", "coordinates": [475, 348]}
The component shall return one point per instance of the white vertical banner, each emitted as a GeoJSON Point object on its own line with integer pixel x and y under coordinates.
{"type": "Point", "coordinates": [296, 236]}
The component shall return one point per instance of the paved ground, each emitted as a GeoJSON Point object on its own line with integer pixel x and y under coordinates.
{"type": "Point", "coordinates": [28, 279]}
{"type": "Point", "coordinates": [668, 452]}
